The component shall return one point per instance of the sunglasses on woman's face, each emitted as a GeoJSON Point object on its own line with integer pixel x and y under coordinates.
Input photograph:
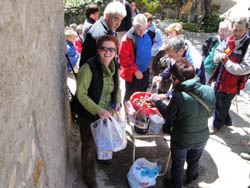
{"type": "Point", "coordinates": [106, 49]}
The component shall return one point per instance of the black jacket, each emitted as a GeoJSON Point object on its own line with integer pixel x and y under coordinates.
{"type": "Point", "coordinates": [89, 47]}
{"type": "Point", "coordinates": [96, 86]}
{"type": "Point", "coordinates": [126, 23]}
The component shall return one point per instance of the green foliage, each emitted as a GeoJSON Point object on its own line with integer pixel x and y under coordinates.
{"type": "Point", "coordinates": [151, 5]}
{"type": "Point", "coordinates": [210, 24]}
{"type": "Point", "coordinates": [193, 27]}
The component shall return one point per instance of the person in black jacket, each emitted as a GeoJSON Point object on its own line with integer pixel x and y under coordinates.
{"type": "Point", "coordinates": [91, 17]}
{"type": "Point", "coordinates": [107, 24]}
{"type": "Point", "coordinates": [126, 22]}
{"type": "Point", "coordinates": [98, 92]}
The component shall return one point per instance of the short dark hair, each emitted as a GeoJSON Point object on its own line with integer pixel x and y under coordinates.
{"type": "Point", "coordinates": [104, 38]}
{"type": "Point", "coordinates": [90, 9]}
{"type": "Point", "coordinates": [182, 70]}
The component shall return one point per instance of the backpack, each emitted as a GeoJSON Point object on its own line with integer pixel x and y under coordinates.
{"type": "Point", "coordinates": [207, 45]}
{"type": "Point", "coordinates": [151, 34]}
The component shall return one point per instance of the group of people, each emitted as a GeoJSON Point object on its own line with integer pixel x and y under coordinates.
{"type": "Point", "coordinates": [132, 55]}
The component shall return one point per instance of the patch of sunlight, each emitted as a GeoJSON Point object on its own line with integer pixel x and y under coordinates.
{"type": "Point", "coordinates": [143, 143]}
{"type": "Point", "coordinates": [240, 130]}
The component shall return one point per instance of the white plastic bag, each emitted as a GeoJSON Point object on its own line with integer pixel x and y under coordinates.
{"type": "Point", "coordinates": [118, 131]}
{"type": "Point", "coordinates": [102, 137]}
{"type": "Point", "coordinates": [109, 136]}
{"type": "Point", "coordinates": [143, 173]}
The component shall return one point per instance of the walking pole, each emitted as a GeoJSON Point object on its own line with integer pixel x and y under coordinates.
{"type": "Point", "coordinates": [236, 104]}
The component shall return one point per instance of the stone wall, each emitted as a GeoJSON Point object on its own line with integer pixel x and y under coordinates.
{"type": "Point", "coordinates": [33, 146]}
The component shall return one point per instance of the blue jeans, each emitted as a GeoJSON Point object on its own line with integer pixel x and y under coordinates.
{"type": "Point", "coordinates": [222, 106]}
{"type": "Point", "coordinates": [180, 154]}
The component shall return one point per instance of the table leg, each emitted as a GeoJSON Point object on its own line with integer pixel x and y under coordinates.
{"type": "Point", "coordinates": [166, 166]}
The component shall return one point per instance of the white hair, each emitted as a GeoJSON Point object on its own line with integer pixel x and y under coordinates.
{"type": "Point", "coordinates": [225, 24]}
{"type": "Point", "coordinates": [115, 7]}
{"type": "Point", "coordinates": [140, 20]}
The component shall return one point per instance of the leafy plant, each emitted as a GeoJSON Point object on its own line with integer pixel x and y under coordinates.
{"type": "Point", "coordinates": [151, 5]}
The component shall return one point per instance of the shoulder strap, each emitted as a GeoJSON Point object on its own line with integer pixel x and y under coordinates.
{"type": "Point", "coordinates": [151, 34]}
{"type": "Point", "coordinates": [71, 66]}
{"type": "Point", "coordinates": [201, 102]}
{"type": "Point", "coordinates": [245, 46]}
{"type": "Point", "coordinates": [134, 43]}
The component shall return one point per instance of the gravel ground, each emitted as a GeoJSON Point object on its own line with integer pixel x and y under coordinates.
{"type": "Point", "coordinates": [220, 166]}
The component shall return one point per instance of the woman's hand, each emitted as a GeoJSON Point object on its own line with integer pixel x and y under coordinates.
{"type": "Point", "coordinates": [104, 114]}
{"type": "Point", "coordinates": [138, 75]}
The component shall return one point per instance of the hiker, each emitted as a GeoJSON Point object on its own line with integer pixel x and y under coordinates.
{"type": "Point", "coordinates": [228, 85]}
{"type": "Point", "coordinates": [162, 61]}
{"type": "Point", "coordinates": [97, 91]}
{"type": "Point", "coordinates": [79, 39]}
{"type": "Point", "coordinates": [91, 12]}
{"type": "Point", "coordinates": [134, 57]}
{"type": "Point", "coordinates": [126, 21]}
{"type": "Point", "coordinates": [157, 42]}
{"type": "Point", "coordinates": [134, 10]}
{"type": "Point", "coordinates": [71, 50]}
{"type": "Point", "coordinates": [107, 24]}
{"type": "Point", "coordinates": [188, 128]}
{"type": "Point", "coordinates": [174, 29]}
{"type": "Point", "coordinates": [176, 48]}
{"type": "Point", "coordinates": [211, 44]}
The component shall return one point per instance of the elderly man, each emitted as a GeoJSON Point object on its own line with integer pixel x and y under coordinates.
{"type": "Point", "coordinates": [135, 55]}
{"type": "Point", "coordinates": [227, 84]}
{"type": "Point", "coordinates": [107, 24]}
{"type": "Point", "coordinates": [176, 48]}
{"type": "Point", "coordinates": [211, 44]}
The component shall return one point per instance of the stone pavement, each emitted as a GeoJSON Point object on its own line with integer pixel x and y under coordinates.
{"type": "Point", "coordinates": [220, 165]}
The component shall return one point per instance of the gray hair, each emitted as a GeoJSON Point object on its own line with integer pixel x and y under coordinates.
{"type": "Point", "coordinates": [240, 20]}
{"type": "Point", "coordinates": [225, 24]}
{"type": "Point", "coordinates": [115, 7]}
{"type": "Point", "coordinates": [140, 20]}
{"type": "Point", "coordinates": [175, 43]}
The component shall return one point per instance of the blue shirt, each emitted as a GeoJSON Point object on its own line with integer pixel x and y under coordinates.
{"type": "Point", "coordinates": [143, 52]}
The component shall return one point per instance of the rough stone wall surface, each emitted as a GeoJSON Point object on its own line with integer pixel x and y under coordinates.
{"type": "Point", "coordinates": [33, 146]}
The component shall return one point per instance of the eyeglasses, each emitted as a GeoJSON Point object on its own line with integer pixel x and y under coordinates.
{"type": "Point", "coordinates": [106, 49]}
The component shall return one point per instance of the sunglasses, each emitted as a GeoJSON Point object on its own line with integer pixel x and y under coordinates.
{"type": "Point", "coordinates": [106, 49]}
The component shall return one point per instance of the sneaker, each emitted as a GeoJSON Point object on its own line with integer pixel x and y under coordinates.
{"type": "Point", "coordinates": [245, 156]}
{"type": "Point", "coordinates": [90, 182]}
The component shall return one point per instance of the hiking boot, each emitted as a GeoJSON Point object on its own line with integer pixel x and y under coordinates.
{"type": "Point", "coordinates": [90, 182]}
{"type": "Point", "coordinates": [189, 181]}
{"type": "Point", "coordinates": [245, 156]}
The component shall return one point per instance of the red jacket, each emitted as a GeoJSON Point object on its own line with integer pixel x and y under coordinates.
{"type": "Point", "coordinates": [231, 83]}
{"type": "Point", "coordinates": [127, 58]}
{"type": "Point", "coordinates": [78, 44]}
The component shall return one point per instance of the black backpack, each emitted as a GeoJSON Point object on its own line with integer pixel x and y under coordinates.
{"type": "Point", "coordinates": [151, 34]}
{"type": "Point", "coordinates": [207, 45]}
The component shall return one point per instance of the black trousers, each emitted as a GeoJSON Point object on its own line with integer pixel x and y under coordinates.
{"type": "Point", "coordinates": [88, 150]}
{"type": "Point", "coordinates": [136, 85]}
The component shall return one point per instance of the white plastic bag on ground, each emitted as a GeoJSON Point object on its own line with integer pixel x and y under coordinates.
{"type": "Point", "coordinates": [143, 173]}
{"type": "Point", "coordinates": [102, 137]}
